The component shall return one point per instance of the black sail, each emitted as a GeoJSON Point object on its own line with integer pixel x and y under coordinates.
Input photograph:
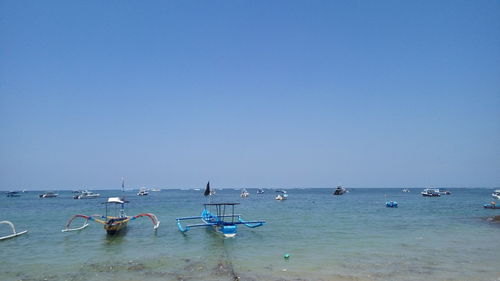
{"type": "Point", "coordinates": [207, 190]}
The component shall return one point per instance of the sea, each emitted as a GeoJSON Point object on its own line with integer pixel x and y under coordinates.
{"type": "Point", "coordinates": [325, 237]}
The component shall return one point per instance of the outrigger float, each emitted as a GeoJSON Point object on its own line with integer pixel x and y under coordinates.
{"type": "Point", "coordinates": [14, 233]}
{"type": "Point", "coordinates": [219, 216]}
{"type": "Point", "coordinates": [112, 224]}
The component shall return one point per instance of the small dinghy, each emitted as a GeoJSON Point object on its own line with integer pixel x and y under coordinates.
{"type": "Point", "coordinates": [244, 193]}
{"type": "Point", "coordinates": [282, 195]}
{"type": "Point", "coordinates": [14, 233]}
{"type": "Point", "coordinates": [391, 204]}
{"type": "Point", "coordinates": [13, 194]}
{"type": "Point", "coordinates": [492, 205]}
{"type": "Point", "coordinates": [340, 190]}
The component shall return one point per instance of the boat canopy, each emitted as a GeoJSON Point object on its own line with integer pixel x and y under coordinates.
{"type": "Point", "coordinates": [116, 200]}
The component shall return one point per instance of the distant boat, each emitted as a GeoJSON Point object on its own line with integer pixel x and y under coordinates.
{"type": "Point", "coordinates": [260, 191]}
{"type": "Point", "coordinates": [13, 194]}
{"type": "Point", "coordinates": [406, 190]}
{"type": "Point", "coordinates": [282, 195]}
{"type": "Point", "coordinates": [430, 192]}
{"type": "Point", "coordinates": [244, 193]}
{"type": "Point", "coordinates": [143, 192]}
{"type": "Point", "coordinates": [496, 194]}
{"type": "Point", "coordinates": [48, 195]}
{"type": "Point", "coordinates": [85, 194]}
{"type": "Point", "coordinates": [155, 189]}
{"type": "Point", "coordinates": [340, 190]}
{"type": "Point", "coordinates": [492, 205]}
{"type": "Point", "coordinates": [391, 204]}
{"type": "Point", "coordinates": [444, 192]}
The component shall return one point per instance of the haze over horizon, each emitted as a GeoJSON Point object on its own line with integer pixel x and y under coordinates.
{"type": "Point", "coordinates": [249, 94]}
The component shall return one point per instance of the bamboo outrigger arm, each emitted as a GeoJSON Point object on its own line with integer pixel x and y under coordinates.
{"type": "Point", "coordinates": [85, 224]}
{"type": "Point", "coordinates": [107, 220]}
{"type": "Point", "coordinates": [14, 233]}
{"type": "Point", "coordinates": [154, 219]}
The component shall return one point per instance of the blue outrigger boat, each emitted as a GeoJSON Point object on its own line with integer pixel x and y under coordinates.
{"type": "Point", "coordinates": [391, 204]}
{"type": "Point", "coordinates": [492, 205]}
{"type": "Point", "coordinates": [219, 216]}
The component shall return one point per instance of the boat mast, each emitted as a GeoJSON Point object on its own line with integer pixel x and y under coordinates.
{"type": "Point", "coordinates": [122, 210]}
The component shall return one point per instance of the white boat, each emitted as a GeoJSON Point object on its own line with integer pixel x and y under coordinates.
{"type": "Point", "coordinates": [444, 192]}
{"type": "Point", "coordinates": [155, 189]}
{"type": "Point", "coordinates": [340, 190]}
{"type": "Point", "coordinates": [260, 191]}
{"type": "Point", "coordinates": [282, 195]}
{"type": "Point", "coordinates": [430, 192]}
{"type": "Point", "coordinates": [244, 193]}
{"type": "Point", "coordinates": [143, 192]}
{"type": "Point", "coordinates": [13, 194]}
{"type": "Point", "coordinates": [406, 190]}
{"type": "Point", "coordinates": [48, 195]}
{"type": "Point", "coordinates": [85, 194]}
{"type": "Point", "coordinates": [496, 194]}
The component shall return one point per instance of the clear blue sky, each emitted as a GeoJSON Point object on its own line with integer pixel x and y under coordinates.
{"type": "Point", "coordinates": [249, 93]}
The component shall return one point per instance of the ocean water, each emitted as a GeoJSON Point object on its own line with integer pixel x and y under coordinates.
{"type": "Point", "coordinates": [348, 237]}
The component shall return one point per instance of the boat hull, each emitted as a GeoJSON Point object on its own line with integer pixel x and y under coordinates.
{"type": "Point", "coordinates": [112, 229]}
{"type": "Point", "coordinates": [491, 206]}
{"type": "Point", "coordinates": [228, 231]}
{"type": "Point", "coordinates": [431, 195]}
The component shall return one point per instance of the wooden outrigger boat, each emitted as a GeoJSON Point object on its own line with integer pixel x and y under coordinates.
{"type": "Point", "coordinates": [14, 233]}
{"type": "Point", "coordinates": [112, 224]}
{"type": "Point", "coordinates": [219, 216]}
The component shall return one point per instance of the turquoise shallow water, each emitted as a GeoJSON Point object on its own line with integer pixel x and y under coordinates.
{"type": "Point", "coordinates": [349, 237]}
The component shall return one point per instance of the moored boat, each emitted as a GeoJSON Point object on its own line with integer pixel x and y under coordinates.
{"type": "Point", "coordinates": [14, 232]}
{"type": "Point", "coordinates": [48, 195]}
{"type": "Point", "coordinates": [13, 194]}
{"type": "Point", "coordinates": [391, 204]}
{"type": "Point", "coordinates": [244, 193]}
{"type": "Point", "coordinates": [143, 192]}
{"type": "Point", "coordinates": [496, 194]}
{"type": "Point", "coordinates": [114, 219]}
{"type": "Point", "coordinates": [340, 190]}
{"type": "Point", "coordinates": [444, 192]}
{"type": "Point", "coordinates": [430, 192]}
{"type": "Point", "coordinates": [260, 191]}
{"type": "Point", "coordinates": [282, 195]}
{"type": "Point", "coordinates": [219, 216]}
{"type": "Point", "coordinates": [492, 205]}
{"type": "Point", "coordinates": [85, 194]}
